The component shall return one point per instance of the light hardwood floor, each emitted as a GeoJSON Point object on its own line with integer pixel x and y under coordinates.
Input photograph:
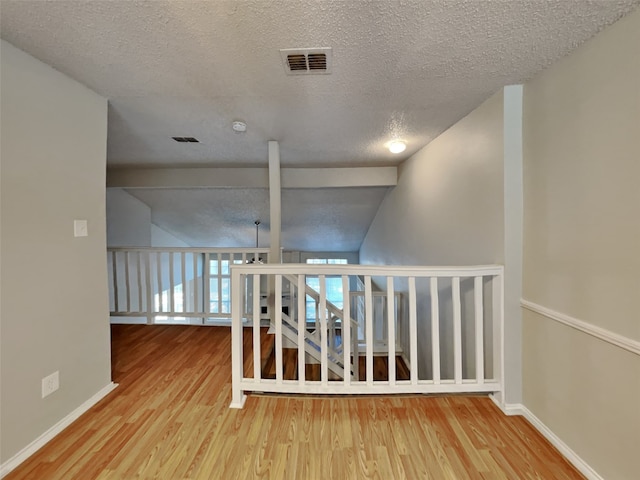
{"type": "Point", "coordinates": [169, 419]}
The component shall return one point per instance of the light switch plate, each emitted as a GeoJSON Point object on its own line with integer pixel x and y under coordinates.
{"type": "Point", "coordinates": [50, 384]}
{"type": "Point", "coordinates": [80, 228]}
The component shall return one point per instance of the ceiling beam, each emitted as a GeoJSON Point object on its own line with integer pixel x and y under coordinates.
{"type": "Point", "coordinates": [250, 177]}
{"type": "Point", "coordinates": [339, 177]}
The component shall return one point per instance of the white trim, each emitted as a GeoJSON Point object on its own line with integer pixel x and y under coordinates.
{"type": "Point", "coordinates": [248, 251]}
{"type": "Point", "coordinates": [47, 436]}
{"type": "Point", "coordinates": [372, 270]}
{"type": "Point", "coordinates": [240, 404]}
{"type": "Point", "coordinates": [508, 409]}
{"type": "Point", "coordinates": [565, 450]}
{"type": "Point", "coordinates": [364, 388]}
{"type": "Point", "coordinates": [608, 336]}
{"type": "Point", "coordinates": [251, 177]}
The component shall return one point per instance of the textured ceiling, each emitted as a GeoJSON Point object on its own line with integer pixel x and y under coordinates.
{"type": "Point", "coordinates": [313, 219]}
{"type": "Point", "coordinates": [189, 68]}
{"type": "Point", "coordinates": [406, 69]}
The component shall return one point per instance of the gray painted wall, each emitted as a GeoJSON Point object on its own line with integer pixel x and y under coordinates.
{"type": "Point", "coordinates": [162, 238]}
{"type": "Point", "coordinates": [581, 247]}
{"type": "Point", "coordinates": [447, 209]}
{"type": "Point", "coordinates": [128, 220]}
{"type": "Point", "coordinates": [54, 309]}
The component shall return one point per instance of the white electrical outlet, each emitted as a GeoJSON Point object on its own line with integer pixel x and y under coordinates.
{"type": "Point", "coordinates": [50, 384]}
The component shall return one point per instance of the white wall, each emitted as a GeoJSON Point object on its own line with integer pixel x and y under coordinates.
{"type": "Point", "coordinates": [162, 238]}
{"type": "Point", "coordinates": [128, 220]}
{"type": "Point", "coordinates": [448, 209]}
{"type": "Point", "coordinates": [129, 225]}
{"type": "Point", "coordinates": [581, 247]}
{"type": "Point", "coordinates": [513, 231]}
{"type": "Point", "coordinates": [447, 206]}
{"type": "Point", "coordinates": [54, 310]}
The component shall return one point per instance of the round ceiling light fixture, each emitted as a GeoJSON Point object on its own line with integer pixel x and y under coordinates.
{"type": "Point", "coordinates": [239, 126]}
{"type": "Point", "coordinates": [397, 146]}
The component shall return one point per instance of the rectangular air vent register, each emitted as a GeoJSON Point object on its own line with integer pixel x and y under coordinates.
{"type": "Point", "coordinates": [306, 61]}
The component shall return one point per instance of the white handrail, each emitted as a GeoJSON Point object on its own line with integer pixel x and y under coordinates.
{"type": "Point", "coordinates": [371, 270]}
{"type": "Point", "coordinates": [462, 365]}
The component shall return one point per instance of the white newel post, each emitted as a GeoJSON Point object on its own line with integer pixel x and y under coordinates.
{"type": "Point", "coordinates": [498, 334]}
{"type": "Point", "coordinates": [237, 395]}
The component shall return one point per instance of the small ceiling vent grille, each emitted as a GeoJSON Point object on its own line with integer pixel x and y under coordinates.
{"type": "Point", "coordinates": [186, 139]}
{"type": "Point", "coordinates": [306, 61]}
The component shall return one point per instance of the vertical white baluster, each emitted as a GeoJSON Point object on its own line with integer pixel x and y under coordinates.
{"type": "Point", "coordinates": [219, 273]}
{"type": "Point", "coordinates": [479, 328]}
{"type": "Point", "coordinates": [346, 330]}
{"type": "Point", "coordinates": [302, 328]}
{"type": "Point", "coordinates": [183, 265]}
{"type": "Point", "coordinates": [139, 279]}
{"type": "Point", "coordinates": [382, 330]}
{"type": "Point", "coordinates": [196, 283]}
{"type": "Point", "coordinates": [331, 330]}
{"type": "Point", "coordinates": [324, 357]}
{"type": "Point", "coordinates": [355, 337]}
{"type": "Point", "coordinates": [435, 330]}
{"type": "Point", "coordinates": [457, 330]}
{"type": "Point", "coordinates": [127, 285]}
{"type": "Point", "coordinates": [400, 324]}
{"type": "Point", "coordinates": [498, 334]}
{"type": "Point", "coordinates": [368, 325]}
{"type": "Point", "coordinates": [413, 331]}
{"type": "Point", "coordinates": [278, 319]}
{"type": "Point", "coordinates": [206, 277]}
{"type": "Point", "coordinates": [159, 275]}
{"type": "Point", "coordinates": [257, 357]}
{"type": "Point", "coordinates": [114, 272]}
{"type": "Point", "coordinates": [391, 331]}
{"type": "Point", "coordinates": [148, 301]}
{"type": "Point", "coordinates": [172, 300]}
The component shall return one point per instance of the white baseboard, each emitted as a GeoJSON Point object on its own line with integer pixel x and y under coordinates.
{"type": "Point", "coordinates": [569, 454]}
{"type": "Point", "coordinates": [47, 436]}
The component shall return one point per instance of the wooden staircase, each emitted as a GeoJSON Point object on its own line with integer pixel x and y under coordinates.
{"type": "Point", "coordinates": [312, 370]}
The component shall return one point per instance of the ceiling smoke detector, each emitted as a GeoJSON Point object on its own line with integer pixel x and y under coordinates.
{"type": "Point", "coordinates": [306, 61]}
{"type": "Point", "coordinates": [239, 127]}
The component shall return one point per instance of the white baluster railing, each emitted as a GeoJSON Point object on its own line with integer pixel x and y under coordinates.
{"type": "Point", "coordinates": [174, 285]}
{"type": "Point", "coordinates": [448, 320]}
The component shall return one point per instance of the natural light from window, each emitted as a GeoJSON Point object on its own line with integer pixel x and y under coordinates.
{"type": "Point", "coordinates": [333, 285]}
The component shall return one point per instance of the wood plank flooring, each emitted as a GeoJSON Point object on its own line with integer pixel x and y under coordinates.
{"type": "Point", "coordinates": [169, 419]}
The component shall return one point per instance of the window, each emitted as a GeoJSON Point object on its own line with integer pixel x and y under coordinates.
{"type": "Point", "coordinates": [327, 261]}
{"type": "Point", "coordinates": [220, 285]}
{"type": "Point", "coordinates": [333, 285]}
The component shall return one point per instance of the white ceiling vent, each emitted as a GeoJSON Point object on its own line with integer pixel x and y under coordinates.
{"type": "Point", "coordinates": [306, 61]}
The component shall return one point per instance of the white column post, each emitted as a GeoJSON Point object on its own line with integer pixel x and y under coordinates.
{"type": "Point", "coordinates": [275, 207]}
{"type": "Point", "coordinates": [275, 215]}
